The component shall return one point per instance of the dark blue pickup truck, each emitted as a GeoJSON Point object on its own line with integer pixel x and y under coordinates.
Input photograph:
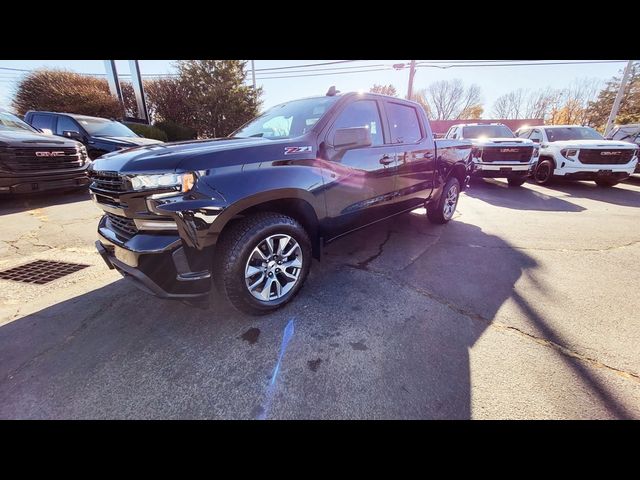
{"type": "Point", "coordinates": [249, 212]}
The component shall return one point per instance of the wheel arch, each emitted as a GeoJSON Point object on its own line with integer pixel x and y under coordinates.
{"type": "Point", "coordinates": [288, 202]}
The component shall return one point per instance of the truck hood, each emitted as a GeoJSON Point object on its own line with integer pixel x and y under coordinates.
{"type": "Point", "coordinates": [15, 138]}
{"type": "Point", "coordinates": [131, 140]}
{"type": "Point", "coordinates": [162, 157]}
{"type": "Point", "coordinates": [507, 141]}
{"type": "Point", "coordinates": [592, 144]}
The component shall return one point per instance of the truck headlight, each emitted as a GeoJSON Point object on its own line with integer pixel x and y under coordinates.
{"type": "Point", "coordinates": [165, 180]}
{"type": "Point", "coordinates": [569, 152]}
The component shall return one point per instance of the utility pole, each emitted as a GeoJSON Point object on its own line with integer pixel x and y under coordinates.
{"type": "Point", "coordinates": [412, 72]}
{"type": "Point", "coordinates": [253, 73]}
{"type": "Point", "coordinates": [616, 102]}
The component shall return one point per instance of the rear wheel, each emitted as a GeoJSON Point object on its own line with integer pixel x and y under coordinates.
{"type": "Point", "coordinates": [606, 183]}
{"type": "Point", "coordinates": [543, 174]}
{"type": "Point", "coordinates": [262, 261]}
{"type": "Point", "coordinates": [516, 181]}
{"type": "Point", "coordinates": [442, 211]}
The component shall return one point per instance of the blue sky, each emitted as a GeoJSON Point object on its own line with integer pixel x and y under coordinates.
{"type": "Point", "coordinates": [493, 81]}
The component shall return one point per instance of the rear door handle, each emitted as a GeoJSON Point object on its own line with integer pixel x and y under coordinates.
{"type": "Point", "coordinates": [387, 159]}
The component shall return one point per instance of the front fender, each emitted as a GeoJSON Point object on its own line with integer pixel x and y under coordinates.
{"type": "Point", "coordinates": [203, 213]}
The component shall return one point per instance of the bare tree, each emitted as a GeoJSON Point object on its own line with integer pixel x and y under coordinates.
{"type": "Point", "coordinates": [510, 105]}
{"type": "Point", "coordinates": [420, 97]}
{"type": "Point", "coordinates": [449, 99]}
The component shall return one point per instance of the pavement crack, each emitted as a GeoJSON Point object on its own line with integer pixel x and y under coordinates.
{"type": "Point", "coordinates": [504, 327]}
{"type": "Point", "coordinates": [364, 265]}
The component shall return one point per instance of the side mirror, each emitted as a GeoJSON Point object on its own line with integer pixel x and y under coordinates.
{"type": "Point", "coordinates": [354, 137]}
{"type": "Point", "coordinates": [73, 135]}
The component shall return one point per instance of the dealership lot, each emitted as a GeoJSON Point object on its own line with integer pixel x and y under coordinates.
{"type": "Point", "coordinates": [524, 306]}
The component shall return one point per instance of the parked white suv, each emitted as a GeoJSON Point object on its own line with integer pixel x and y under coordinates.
{"type": "Point", "coordinates": [580, 153]}
{"type": "Point", "coordinates": [497, 152]}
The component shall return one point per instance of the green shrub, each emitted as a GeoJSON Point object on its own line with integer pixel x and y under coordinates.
{"type": "Point", "coordinates": [176, 132]}
{"type": "Point", "coordinates": [148, 131]}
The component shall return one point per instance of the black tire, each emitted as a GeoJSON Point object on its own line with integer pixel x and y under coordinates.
{"type": "Point", "coordinates": [605, 183]}
{"type": "Point", "coordinates": [543, 174]}
{"type": "Point", "coordinates": [234, 249]}
{"type": "Point", "coordinates": [516, 181]}
{"type": "Point", "coordinates": [436, 212]}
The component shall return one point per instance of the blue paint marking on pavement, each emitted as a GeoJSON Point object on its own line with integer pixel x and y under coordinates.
{"type": "Point", "coordinates": [288, 333]}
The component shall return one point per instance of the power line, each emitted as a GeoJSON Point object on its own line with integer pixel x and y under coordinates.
{"type": "Point", "coordinates": [307, 65]}
{"type": "Point", "coordinates": [323, 74]}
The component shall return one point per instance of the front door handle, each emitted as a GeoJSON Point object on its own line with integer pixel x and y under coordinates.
{"type": "Point", "coordinates": [387, 159]}
{"type": "Point", "coordinates": [429, 155]}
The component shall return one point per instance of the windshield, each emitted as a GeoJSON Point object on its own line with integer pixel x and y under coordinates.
{"type": "Point", "coordinates": [572, 133]}
{"type": "Point", "coordinates": [489, 131]}
{"type": "Point", "coordinates": [11, 122]}
{"type": "Point", "coordinates": [287, 120]}
{"type": "Point", "coordinates": [100, 127]}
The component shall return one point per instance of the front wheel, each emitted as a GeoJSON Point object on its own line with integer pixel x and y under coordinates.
{"type": "Point", "coordinates": [543, 174]}
{"type": "Point", "coordinates": [262, 261]}
{"type": "Point", "coordinates": [442, 211]}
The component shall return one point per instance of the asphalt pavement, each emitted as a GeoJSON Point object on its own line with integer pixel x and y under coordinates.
{"type": "Point", "coordinates": [524, 306]}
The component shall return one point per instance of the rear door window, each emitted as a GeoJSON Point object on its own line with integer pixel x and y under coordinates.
{"type": "Point", "coordinates": [404, 123]}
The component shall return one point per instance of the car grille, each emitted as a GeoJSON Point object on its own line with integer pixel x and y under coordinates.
{"type": "Point", "coordinates": [33, 159]}
{"type": "Point", "coordinates": [125, 227]}
{"type": "Point", "coordinates": [107, 181]}
{"type": "Point", "coordinates": [605, 157]}
{"type": "Point", "coordinates": [519, 154]}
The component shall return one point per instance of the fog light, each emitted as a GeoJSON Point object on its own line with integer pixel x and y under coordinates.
{"type": "Point", "coordinates": [155, 224]}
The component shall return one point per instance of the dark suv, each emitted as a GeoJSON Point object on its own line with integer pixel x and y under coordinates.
{"type": "Point", "coordinates": [99, 135]}
{"type": "Point", "coordinates": [31, 161]}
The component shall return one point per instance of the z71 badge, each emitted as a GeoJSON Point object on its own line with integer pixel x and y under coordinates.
{"type": "Point", "coordinates": [292, 150]}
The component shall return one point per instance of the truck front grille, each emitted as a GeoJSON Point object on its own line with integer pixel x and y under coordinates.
{"type": "Point", "coordinates": [107, 181]}
{"type": "Point", "coordinates": [507, 154]}
{"type": "Point", "coordinates": [125, 227]}
{"type": "Point", "coordinates": [605, 157]}
{"type": "Point", "coordinates": [37, 159]}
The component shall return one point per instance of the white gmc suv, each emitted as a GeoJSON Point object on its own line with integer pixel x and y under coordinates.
{"type": "Point", "coordinates": [580, 153]}
{"type": "Point", "coordinates": [497, 152]}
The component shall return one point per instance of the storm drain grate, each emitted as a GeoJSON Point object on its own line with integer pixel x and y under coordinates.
{"type": "Point", "coordinates": [41, 271]}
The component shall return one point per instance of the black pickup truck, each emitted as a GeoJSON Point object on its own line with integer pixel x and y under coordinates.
{"type": "Point", "coordinates": [250, 211]}
{"type": "Point", "coordinates": [33, 162]}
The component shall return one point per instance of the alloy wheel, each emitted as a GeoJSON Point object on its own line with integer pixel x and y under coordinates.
{"type": "Point", "coordinates": [274, 267]}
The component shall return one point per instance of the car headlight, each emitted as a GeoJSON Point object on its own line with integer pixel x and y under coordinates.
{"type": "Point", "coordinates": [184, 181]}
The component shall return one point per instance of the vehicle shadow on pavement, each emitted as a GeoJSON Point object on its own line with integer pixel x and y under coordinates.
{"type": "Point", "coordinates": [617, 195]}
{"type": "Point", "coordinates": [382, 329]}
{"type": "Point", "coordinates": [20, 203]}
{"type": "Point", "coordinates": [499, 193]}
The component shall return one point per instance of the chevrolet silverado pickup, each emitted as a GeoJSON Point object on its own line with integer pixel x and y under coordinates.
{"type": "Point", "coordinates": [32, 162]}
{"type": "Point", "coordinates": [497, 152]}
{"type": "Point", "coordinates": [248, 212]}
{"type": "Point", "coordinates": [574, 152]}
{"type": "Point", "coordinates": [99, 135]}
